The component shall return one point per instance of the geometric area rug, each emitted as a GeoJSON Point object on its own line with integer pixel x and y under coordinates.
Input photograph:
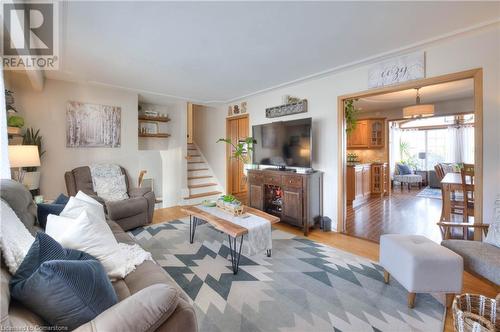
{"type": "Point", "coordinates": [304, 286]}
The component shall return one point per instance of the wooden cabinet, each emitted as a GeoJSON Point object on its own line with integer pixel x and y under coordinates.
{"type": "Point", "coordinates": [292, 206]}
{"type": "Point", "coordinates": [358, 138]}
{"type": "Point", "coordinates": [369, 133]}
{"type": "Point", "coordinates": [256, 196]}
{"type": "Point", "coordinates": [358, 183]}
{"type": "Point", "coordinates": [380, 179]}
{"type": "Point", "coordinates": [296, 198]}
{"type": "Point", "coordinates": [376, 133]}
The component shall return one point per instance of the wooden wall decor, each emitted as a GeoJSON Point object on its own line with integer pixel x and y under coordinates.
{"type": "Point", "coordinates": [287, 109]}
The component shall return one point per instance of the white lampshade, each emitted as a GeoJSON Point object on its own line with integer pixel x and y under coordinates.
{"type": "Point", "coordinates": [418, 111]}
{"type": "Point", "coordinates": [24, 156]}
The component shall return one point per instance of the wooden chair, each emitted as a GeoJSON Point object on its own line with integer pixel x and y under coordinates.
{"type": "Point", "coordinates": [448, 227]}
{"type": "Point", "coordinates": [467, 173]}
{"type": "Point", "coordinates": [439, 171]}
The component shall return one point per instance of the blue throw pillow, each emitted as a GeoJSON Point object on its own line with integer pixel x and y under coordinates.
{"type": "Point", "coordinates": [403, 169]}
{"type": "Point", "coordinates": [61, 199]}
{"type": "Point", "coordinates": [43, 211]}
{"type": "Point", "coordinates": [63, 286]}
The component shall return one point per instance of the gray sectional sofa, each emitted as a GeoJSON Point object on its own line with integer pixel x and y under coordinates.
{"type": "Point", "coordinates": [149, 300]}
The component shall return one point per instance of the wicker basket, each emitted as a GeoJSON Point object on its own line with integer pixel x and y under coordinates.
{"type": "Point", "coordinates": [476, 313]}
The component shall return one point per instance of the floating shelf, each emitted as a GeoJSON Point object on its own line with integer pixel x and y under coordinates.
{"type": "Point", "coordinates": [160, 135]}
{"type": "Point", "coordinates": [153, 118]}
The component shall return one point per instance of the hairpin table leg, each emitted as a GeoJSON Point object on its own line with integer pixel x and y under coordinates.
{"type": "Point", "coordinates": [235, 254]}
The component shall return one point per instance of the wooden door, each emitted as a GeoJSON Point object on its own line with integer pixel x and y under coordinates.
{"type": "Point", "coordinates": [236, 129]}
{"type": "Point", "coordinates": [190, 123]}
{"type": "Point", "coordinates": [256, 196]}
{"type": "Point", "coordinates": [292, 206]}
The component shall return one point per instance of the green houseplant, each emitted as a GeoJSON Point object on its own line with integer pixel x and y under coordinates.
{"type": "Point", "coordinates": [350, 113]}
{"type": "Point", "coordinates": [32, 176]}
{"type": "Point", "coordinates": [241, 149]}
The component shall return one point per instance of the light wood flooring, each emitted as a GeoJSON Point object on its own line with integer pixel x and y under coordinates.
{"type": "Point", "coordinates": [364, 248]}
{"type": "Point", "coordinates": [401, 213]}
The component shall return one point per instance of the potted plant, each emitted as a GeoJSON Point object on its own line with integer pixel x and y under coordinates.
{"type": "Point", "coordinates": [32, 176]}
{"type": "Point", "coordinates": [241, 151]}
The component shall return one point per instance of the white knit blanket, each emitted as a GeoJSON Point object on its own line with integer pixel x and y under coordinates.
{"type": "Point", "coordinates": [258, 238]}
{"type": "Point", "coordinates": [104, 171]}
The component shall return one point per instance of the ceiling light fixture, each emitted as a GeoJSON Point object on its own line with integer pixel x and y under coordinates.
{"type": "Point", "coordinates": [418, 110]}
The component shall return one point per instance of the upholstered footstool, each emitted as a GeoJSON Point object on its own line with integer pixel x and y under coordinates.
{"type": "Point", "coordinates": [421, 266]}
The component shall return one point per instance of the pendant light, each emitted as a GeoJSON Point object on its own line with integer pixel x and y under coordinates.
{"type": "Point", "coordinates": [418, 110]}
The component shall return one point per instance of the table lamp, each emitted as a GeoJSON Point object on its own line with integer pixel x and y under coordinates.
{"type": "Point", "coordinates": [23, 156]}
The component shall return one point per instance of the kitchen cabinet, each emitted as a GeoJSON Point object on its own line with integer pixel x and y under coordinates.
{"type": "Point", "coordinates": [380, 179]}
{"type": "Point", "coordinates": [369, 133]}
{"type": "Point", "coordinates": [358, 184]}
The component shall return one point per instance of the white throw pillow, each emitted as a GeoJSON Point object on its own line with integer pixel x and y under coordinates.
{"type": "Point", "coordinates": [76, 206]}
{"type": "Point", "coordinates": [84, 197]}
{"type": "Point", "coordinates": [112, 188]}
{"type": "Point", "coordinates": [91, 234]}
{"type": "Point", "coordinates": [15, 239]}
{"type": "Point", "coordinates": [493, 236]}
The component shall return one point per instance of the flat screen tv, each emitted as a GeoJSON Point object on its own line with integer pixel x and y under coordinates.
{"type": "Point", "coordinates": [283, 144]}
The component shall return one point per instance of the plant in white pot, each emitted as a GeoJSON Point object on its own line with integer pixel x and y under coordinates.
{"type": "Point", "coordinates": [31, 177]}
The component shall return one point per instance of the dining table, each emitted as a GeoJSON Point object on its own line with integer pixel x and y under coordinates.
{"type": "Point", "coordinates": [450, 184]}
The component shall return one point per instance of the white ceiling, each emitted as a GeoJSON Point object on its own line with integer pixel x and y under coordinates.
{"type": "Point", "coordinates": [219, 51]}
{"type": "Point", "coordinates": [428, 94]}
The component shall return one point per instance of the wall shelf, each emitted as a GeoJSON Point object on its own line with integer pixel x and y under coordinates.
{"type": "Point", "coordinates": [159, 135]}
{"type": "Point", "coordinates": [153, 118]}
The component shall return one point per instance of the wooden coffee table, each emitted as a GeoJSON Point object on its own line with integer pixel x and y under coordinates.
{"type": "Point", "coordinates": [232, 230]}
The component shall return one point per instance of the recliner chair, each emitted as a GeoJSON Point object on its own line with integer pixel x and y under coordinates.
{"type": "Point", "coordinates": [129, 213]}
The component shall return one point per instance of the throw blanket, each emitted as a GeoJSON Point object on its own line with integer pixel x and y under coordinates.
{"type": "Point", "coordinates": [104, 171]}
{"type": "Point", "coordinates": [134, 255]}
{"type": "Point", "coordinates": [258, 238]}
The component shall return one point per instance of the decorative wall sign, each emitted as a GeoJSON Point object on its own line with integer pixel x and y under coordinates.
{"type": "Point", "coordinates": [92, 125]}
{"type": "Point", "coordinates": [396, 70]}
{"type": "Point", "coordinates": [287, 109]}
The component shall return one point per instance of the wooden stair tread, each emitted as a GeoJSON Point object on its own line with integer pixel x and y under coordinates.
{"type": "Point", "coordinates": [201, 185]}
{"type": "Point", "coordinates": [197, 169]}
{"type": "Point", "coordinates": [199, 177]}
{"type": "Point", "coordinates": [210, 193]}
{"type": "Point", "coordinates": [196, 162]}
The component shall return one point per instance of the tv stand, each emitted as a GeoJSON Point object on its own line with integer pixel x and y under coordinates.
{"type": "Point", "coordinates": [296, 199]}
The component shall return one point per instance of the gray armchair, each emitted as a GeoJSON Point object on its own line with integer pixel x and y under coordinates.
{"type": "Point", "coordinates": [129, 213]}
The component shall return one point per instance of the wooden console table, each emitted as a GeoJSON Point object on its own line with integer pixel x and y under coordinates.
{"type": "Point", "coordinates": [295, 198]}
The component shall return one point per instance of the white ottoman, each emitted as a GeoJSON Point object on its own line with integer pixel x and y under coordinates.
{"type": "Point", "coordinates": [421, 265]}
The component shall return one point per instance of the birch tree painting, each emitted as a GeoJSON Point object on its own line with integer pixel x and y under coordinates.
{"type": "Point", "coordinates": [92, 125]}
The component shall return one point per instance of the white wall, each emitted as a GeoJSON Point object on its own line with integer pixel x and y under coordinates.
{"type": "Point", "coordinates": [472, 50]}
{"type": "Point", "coordinates": [209, 124]}
{"type": "Point", "coordinates": [46, 110]}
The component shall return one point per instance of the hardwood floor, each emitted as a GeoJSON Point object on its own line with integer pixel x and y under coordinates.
{"type": "Point", "coordinates": [402, 213]}
{"type": "Point", "coordinates": [364, 248]}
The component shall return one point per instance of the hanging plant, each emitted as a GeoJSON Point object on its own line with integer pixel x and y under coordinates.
{"type": "Point", "coordinates": [350, 115]}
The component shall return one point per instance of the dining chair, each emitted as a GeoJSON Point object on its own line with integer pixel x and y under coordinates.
{"type": "Point", "coordinates": [467, 173]}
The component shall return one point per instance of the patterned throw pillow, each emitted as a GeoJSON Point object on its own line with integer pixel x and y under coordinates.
{"type": "Point", "coordinates": [493, 236]}
{"type": "Point", "coordinates": [112, 188]}
{"type": "Point", "coordinates": [65, 287]}
{"type": "Point", "coordinates": [403, 169]}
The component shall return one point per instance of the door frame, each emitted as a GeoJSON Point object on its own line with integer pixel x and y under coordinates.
{"type": "Point", "coordinates": [228, 148]}
{"type": "Point", "coordinates": [476, 74]}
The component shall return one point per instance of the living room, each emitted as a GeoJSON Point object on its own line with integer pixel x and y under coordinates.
{"type": "Point", "coordinates": [157, 109]}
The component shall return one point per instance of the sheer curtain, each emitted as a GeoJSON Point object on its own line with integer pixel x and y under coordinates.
{"type": "Point", "coordinates": [4, 141]}
{"type": "Point", "coordinates": [461, 144]}
{"type": "Point", "coordinates": [395, 152]}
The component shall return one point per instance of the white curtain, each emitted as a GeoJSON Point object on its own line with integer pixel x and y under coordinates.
{"type": "Point", "coordinates": [4, 141]}
{"type": "Point", "coordinates": [461, 144]}
{"type": "Point", "coordinates": [395, 152]}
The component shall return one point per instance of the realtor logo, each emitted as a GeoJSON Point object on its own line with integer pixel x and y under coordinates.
{"type": "Point", "coordinates": [30, 36]}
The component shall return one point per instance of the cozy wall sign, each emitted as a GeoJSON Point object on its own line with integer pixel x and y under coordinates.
{"type": "Point", "coordinates": [397, 70]}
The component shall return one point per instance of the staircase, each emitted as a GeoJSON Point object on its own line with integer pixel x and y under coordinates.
{"type": "Point", "coordinates": [202, 184]}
